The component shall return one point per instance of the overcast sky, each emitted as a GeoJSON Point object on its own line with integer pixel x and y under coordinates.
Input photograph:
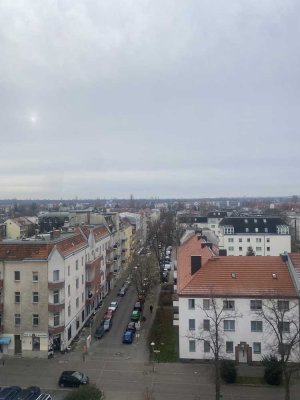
{"type": "Point", "coordinates": [155, 98]}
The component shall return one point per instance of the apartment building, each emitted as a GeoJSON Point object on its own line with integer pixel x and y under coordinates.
{"type": "Point", "coordinates": [267, 236]}
{"type": "Point", "coordinates": [238, 288]}
{"type": "Point", "coordinates": [21, 227]}
{"type": "Point", "coordinates": [50, 287]}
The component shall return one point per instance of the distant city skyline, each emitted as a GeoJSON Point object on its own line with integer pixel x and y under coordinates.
{"type": "Point", "coordinates": [172, 99]}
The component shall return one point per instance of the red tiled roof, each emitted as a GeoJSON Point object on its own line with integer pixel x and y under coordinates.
{"type": "Point", "coordinates": [253, 277]}
{"type": "Point", "coordinates": [99, 232]}
{"type": "Point", "coordinates": [192, 246]}
{"type": "Point", "coordinates": [37, 250]}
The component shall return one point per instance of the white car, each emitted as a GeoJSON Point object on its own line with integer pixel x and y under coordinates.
{"type": "Point", "coordinates": [167, 267]}
{"type": "Point", "coordinates": [113, 306]}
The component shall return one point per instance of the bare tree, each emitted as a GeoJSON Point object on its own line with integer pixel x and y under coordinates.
{"type": "Point", "coordinates": [212, 334]}
{"type": "Point", "coordinates": [283, 330]}
{"type": "Point", "coordinates": [145, 276]}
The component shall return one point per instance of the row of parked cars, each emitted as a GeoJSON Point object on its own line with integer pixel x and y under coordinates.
{"type": "Point", "coordinates": [135, 316]}
{"type": "Point", "coordinates": [107, 320]}
{"type": "Point", "coordinates": [165, 263]}
{"type": "Point", "coordinates": [17, 393]}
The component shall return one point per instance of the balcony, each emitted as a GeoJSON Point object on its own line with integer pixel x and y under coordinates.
{"type": "Point", "coordinates": [56, 307]}
{"type": "Point", "coordinates": [56, 285]}
{"type": "Point", "coordinates": [54, 330]}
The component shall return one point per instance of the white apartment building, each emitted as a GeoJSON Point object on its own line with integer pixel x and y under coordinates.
{"type": "Point", "coordinates": [240, 288]}
{"type": "Point", "coordinates": [49, 289]}
{"type": "Point", "coordinates": [267, 236]}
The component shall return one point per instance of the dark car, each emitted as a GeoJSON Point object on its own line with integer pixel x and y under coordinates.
{"type": "Point", "coordinates": [73, 379]}
{"type": "Point", "coordinates": [9, 393]}
{"type": "Point", "coordinates": [128, 337]}
{"type": "Point", "coordinates": [30, 393]}
{"type": "Point", "coordinates": [99, 332]}
{"type": "Point", "coordinates": [122, 291]}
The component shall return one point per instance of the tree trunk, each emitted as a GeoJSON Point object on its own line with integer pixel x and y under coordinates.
{"type": "Point", "coordinates": [287, 379]}
{"type": "Point", "coordinates": [217, 380]}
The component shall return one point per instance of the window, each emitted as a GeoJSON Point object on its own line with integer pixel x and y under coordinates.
{"type": "Point", "coordinates": [82, 260]}
{"type": "Point", "coordinates": [82, 297]}
{"type": "Point", "coordinates": [229, 347]}
{"type": "Point", "coordinates": [283, 305]}
{"type": "Point", "coordinates": [77, 283]}
{"type": "Point", "coordinates": [240, 249]}
{"type": "Point", "coordinates": [256, 326]}
{"type": "Point", "coordinates": [35, 319]}
{"type": "Point", "coordinates": [192, 346]}
{"type": "Point", "coordinates": [56, 296]}
{"type": "Point", "coordinates": [69, 310]}
{"type": "Point", "coordinates": [230, 240]}
{"type": "Point", "coordinates": [35, 297]}
{"type": "Point", "coordinates": [247, 230]}
{"type": "Point", "coordinates": [206, 344]}
{"type": "Point", "coordinates": [17, 319]}
{"type": "Point", "coordinates": [17, 297]}
{"type": "Point", "coordinates": [35, 276]}
{"type": "Point", "coordinates": [240, 240]}
{"type": "Point", "coordinates": [228, 230]}
{"type": "Point", "coordinates": [206, 304]}
{"type": "Point", "coordinates": [229, 325]}
{"type": "Point", "coordinates": [258, 240]}
{"type": "Point", "coordinates": [76, 265]}
{"type": "Point", "coordinates": [258, 248]}
{"type": "Point", "coordinates": [77, 302]}
{"type": "Point", "coordinates": [56, 275]}
{"type": "Point", "coordinates": [192, 324]}
{"type": "Point", "coordinates": [256, 230]}
{"type": "Point", "coordinates": [266, 230]}
{"type": "Point", "coordinates": [268, 248]}
{"type": "Point", "coordinates": [284, 326]}
{"type": "Point", "coordinates": [268, 240]}
{"type": "Point", "coordinates": [228, 304]}
{"type": "Point", "coordinates": [191, 304]}
{"type": "Point", "coordinates": [257, 348]}
{"type": "Point", "coordinates": [255, 221]}
{"type": "Point", "coordinates": [56, 318]}
{"type": "Point", "coordinates": [255, 305]}
{"type": "Point", "coordinates": [69, 290]}
{"type": "Point", "coordinates": [230, 248]}
{"type": "Point", "coordinates": [82, 279]}
{"type": "Point", "coordinates": [206, 324]}
{"type": "Point", "coordinates": [248, 240]}
{"type": "Point", "coordinates": [17, 275]}
{"type": "Point", "coordinates": [68, 270]}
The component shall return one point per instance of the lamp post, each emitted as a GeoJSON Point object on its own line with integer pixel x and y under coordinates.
{"type": "Point", "coordinates": [152, 344]}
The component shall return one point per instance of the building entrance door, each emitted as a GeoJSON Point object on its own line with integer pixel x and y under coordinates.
{"type": "Point", "coordinates": [18, 344]}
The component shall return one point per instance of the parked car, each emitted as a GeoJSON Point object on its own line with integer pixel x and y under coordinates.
{"type": "Point", "coordinates": [107, 324]}
{"type": "Point", "coordinates": [30, 393]}
{"type": "Point", "coordinates": [122, 291]}
{"type": "Point", "coordinates": [10, 392]}
{"type": "Point", "coordinates": [99, 332]}
{"type": "Point", "coordinates": [135, 315]}
{"type": "Point", "coordinates": [167, 267]}
{"type": "Point", "coordinates": [109, 314]}
{"type": "Point", "coordinates": [113, 306]}
{"type": "Point", "coordinates": [73, 379]}
{"type": "Point", "coordinates": [44, 396]}
{"type": "Point", "coordinates": [128, 337]}
{"type": "Point", "coordinates": [131, 326]}
{"type": "Point", "coordinates": [138, 306]}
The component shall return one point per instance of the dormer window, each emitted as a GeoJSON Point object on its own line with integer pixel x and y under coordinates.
{"type": "Point", "coordinates": [246, 221]}
{"type": "Point", "coordinates": [228, 230]}
{"type": "Point", "coordinates": [255, 221]}
{"type": "Point", "coordinates": [265, 221]}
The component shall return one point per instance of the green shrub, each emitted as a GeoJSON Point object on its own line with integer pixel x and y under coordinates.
{"type": "Point", "coordinates": [228, 371]}
{"type": "Point", "coordinates": [273, 370]}
{"type": "Point", "coordinates": [86, 392]}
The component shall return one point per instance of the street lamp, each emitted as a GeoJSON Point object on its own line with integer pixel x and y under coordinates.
{"type": "Point", "coordinates": [152, 344]}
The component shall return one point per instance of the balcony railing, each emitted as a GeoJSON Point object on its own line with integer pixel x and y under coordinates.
{"type": "Point", "coordinates": [56, 307]}
{"type": "Point", "coordinates": [56, 285]}
{"type": "Point", "coordinates": [56, 329]}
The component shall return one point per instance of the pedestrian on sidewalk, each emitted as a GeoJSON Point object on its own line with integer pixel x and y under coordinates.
{"type": "Point", "coordinates": [151, 308]}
